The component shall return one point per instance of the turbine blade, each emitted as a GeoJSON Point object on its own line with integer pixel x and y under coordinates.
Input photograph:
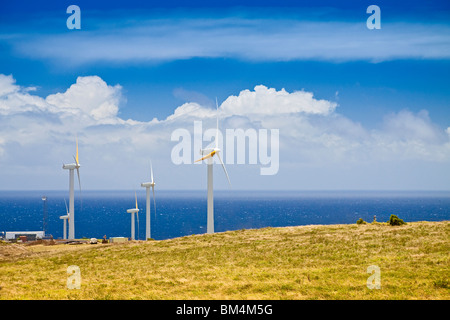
{"type": "Point", "coordinates": [154, 201]}
{"type": "Point", "coordinates": [135, 196]}
{"type": "Point", "coordinates": [209, 155]}
{"type": "Point", "coordinates": [217, 125]}
{"type": "Point", "coordinates": [67, 210]}
{"type": "Point", "coordinates": [151, 170]}
{"type": "Point", "coordinates": [223, 166]}
{"type": "Point", "coordinates": [76, 159]}
{"type": "Point", "coordinates": [137, 215]}
{"type": "Point", "coordinates": [79, 183]}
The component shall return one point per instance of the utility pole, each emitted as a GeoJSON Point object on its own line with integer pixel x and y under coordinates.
{"type": "Point", "coordinates": [45, 219]}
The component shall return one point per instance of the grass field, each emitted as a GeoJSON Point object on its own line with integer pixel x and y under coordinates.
{"type": "Point", "coordinates": [305, 262]}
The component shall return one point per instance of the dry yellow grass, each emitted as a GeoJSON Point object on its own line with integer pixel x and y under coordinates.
{"type": "Point", "coordinates": [305, 262]}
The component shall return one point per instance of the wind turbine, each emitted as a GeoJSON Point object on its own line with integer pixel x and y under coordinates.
{"type": "Point", "coordinates": [71, 167]}
{"type": "Point", "coordinates": [64, 218]}
{"type": "Point", "coordinates": [133, 211]}
{"type": "Point", "coordinates": [147, 186]}
{"type": "Point", "coordinates": [210, 153]}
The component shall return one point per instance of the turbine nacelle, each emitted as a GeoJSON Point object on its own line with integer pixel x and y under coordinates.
{"type": "Point", "coordinates": [208, 153]}
{"type": "Point", "coordinates": [147, 184]}
{"type": "Point", "coordinates": [208, 150]}
{"type": "Point", "coordinates": [71, 166]}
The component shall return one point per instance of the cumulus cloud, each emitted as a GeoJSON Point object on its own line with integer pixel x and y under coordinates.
{"type": "Point", "coordinates": [269, 101]}
{"type": "Point", "coordinates": [91, 97]}
{"type": "Point", "coordinates": [312, 132]}
{"type": "Point", "coordinates": [409, 135]}
{"type": "Point", "coordinates": [409, 126]}
{"type": "Point", "coordinates": [192, 110]}
{"type": "Point", "coordinates": [262, 101]}
{"type": "Point", "coordinates": [15, 99]}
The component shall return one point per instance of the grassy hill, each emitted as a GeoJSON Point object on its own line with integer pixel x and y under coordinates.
{"type": "Point", "coordinates": [305, 262]}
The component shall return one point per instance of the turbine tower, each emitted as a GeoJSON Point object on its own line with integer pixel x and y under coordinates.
{"type": "Point", "coordinates": [147, 186]}
{"type": "Point", "coordinates": [210, 153]}
{"type": "Point", "coordinates": [71, 167]}
{"type": "Point", "coordinates": [133, 211]}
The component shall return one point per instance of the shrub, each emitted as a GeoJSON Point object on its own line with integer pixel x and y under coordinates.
{"type": "Point", "coordinates": [442, 283]}
{"type": "Point", "coordinates": [395, 221]}
{"type": "Point", "coordinates": [360, 221]}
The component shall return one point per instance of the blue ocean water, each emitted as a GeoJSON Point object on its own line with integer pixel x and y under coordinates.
{"type": "Point", "coordinates": [181, 213]}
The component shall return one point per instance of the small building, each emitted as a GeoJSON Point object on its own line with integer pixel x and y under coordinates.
{"type": "Point", "coordinates": [30, 235]}
{"type": "Point", "coordinates": [117, 239]}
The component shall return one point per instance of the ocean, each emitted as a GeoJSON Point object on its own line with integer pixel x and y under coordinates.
{"type": "Point", "coordinates": [182, 213]}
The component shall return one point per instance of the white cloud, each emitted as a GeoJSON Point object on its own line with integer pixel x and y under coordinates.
{"type": "Point", "coordinates": [269, 101]}
{"type": "Point", "coordinates": [261, 102]}
{"type": "Point", "coordinates": [7, 85]}
{"type": "Point", "coordinates": [191, 110]}
{"type": "Point", "coordinates": [89, 97]}
{"type": "Point", "coordinates": [411, 136]}
{"type": "Point", "coordinates": [15, 99]}
{"type": "Point", "coordinates": [38, 132]}
{"type": "Point", "coordinates": [174, 38]}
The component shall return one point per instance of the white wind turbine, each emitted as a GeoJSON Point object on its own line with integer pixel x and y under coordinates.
{"type": "Point", "coordinates": [71, 213]}
{"type": "Point", "coordinates": [147, 186]}
{"type": "Point", "coordinates": [64, 219]}
{"type": "Point", "coordinates": [133, 211]}
{"type": "Point", "coordinates": [210, 153]}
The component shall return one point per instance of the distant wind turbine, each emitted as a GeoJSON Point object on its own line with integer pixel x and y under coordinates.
{"type": "Point", "coordinates": [133, 211]}
{"type": "Point", "coordinates": [210, 153]}
{"type": "Point", "coordinates": [147, 186]}
{"type": "Point", "coordinates": [64, 219]}
{"type": "Point", "coordinates": [72, 167]}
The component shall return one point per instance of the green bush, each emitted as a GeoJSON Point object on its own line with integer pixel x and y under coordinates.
{"type": "Point", "coordinates": [442, 283]}
{"type": "Point", "coordinates": [395, 221]}
{"type": "Point", "coordinates": [360, 221]}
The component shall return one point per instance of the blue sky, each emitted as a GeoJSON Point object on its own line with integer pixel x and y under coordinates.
{"type": "Point", "coordinates": [153, 57]}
